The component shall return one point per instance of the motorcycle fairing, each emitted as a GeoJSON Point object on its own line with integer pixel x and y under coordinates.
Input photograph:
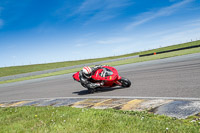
{"type": "Point", "coordinates": [76, 76]}
{"type": "Point", "coordinates": [107, 74]}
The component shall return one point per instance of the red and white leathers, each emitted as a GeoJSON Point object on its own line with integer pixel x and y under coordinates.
{"type": "Point", "coordinates": [85, 77]}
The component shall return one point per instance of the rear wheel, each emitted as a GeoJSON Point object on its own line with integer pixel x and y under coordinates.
{"type": "Point", "coordinates": [125, 82]}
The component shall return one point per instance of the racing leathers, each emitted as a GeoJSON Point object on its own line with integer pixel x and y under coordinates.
{"type": "Point", "coordinates": [87, 82]}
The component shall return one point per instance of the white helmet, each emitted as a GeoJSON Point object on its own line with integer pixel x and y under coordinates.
{"type": "Point", "coordinates": [87, 72]}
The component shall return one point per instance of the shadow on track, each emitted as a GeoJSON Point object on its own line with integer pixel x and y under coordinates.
{"type": "Point", "coordinates": [99, 90]}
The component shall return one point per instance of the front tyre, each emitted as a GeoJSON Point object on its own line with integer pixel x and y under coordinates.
{"type": "Point", "coordinates": [125, 82]}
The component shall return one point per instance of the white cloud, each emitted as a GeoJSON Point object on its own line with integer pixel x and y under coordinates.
{"type": "Point", "coordinates": [186, 32]}
{"type": "Point", "coordinates": [182, 36]}
{"type": "Point", "coordinates": [123, 49]}
{"type": "Point", "coordinates": [13, 57]}
{"type": "Point", "coordinates": [193, 23]}
{"type": "Point", "coordinates": [101, 5]}
{"type": "Point", "coordinates": [191, 26]}
{"type": "Point", "coordinates": [115, 40]}
{"type": "Point", "coordinates": [80, 45]}
{"type": "Point", "coordinates": [101, 10]}
{"type": "Point", "coordinates": [166, 11]}
{"type": "Point", "coordinates": [88, 5]}
{"type": "Point", "coordinates": [100, 17]}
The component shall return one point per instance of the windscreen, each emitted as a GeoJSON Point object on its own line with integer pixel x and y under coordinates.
{"type": "Point", "coordinates": [106, 72]}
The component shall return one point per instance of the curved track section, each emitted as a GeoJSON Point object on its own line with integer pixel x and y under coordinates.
{"type": "Point", "coordinates": [176, 77]}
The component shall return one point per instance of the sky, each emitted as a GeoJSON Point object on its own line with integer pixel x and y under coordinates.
{"type": "Point", "coordinates": [45, 31]}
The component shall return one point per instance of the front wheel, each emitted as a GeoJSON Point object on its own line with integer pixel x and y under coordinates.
{"type": "Point", "coordinates": [125, 82]}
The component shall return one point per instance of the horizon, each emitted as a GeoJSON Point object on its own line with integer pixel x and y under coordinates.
{"type": "Point", "coordinates": [100, 57]}
{"type": "Point", "coordinates": [39, 32]}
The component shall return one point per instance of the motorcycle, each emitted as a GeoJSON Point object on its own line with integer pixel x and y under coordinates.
{"type": "Point", "coordinates": [109, 75]}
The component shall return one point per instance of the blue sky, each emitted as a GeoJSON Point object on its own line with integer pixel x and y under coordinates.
{"type": "Point", "coordinates": [43, 31]}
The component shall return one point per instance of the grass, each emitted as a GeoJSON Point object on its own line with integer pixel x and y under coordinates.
{"type": "Point", "coordinates": [173, 47]}
{"type": "Point", "coordinates": [42, 75]}
{"type": "Point", "coordinates": [7, 71]}
{"type": "Point", "coordinates": [155, 57]}
{"type": "Point", "coordinates": [67, 119]}
{"type": "Point", "coordinates": [122, 62]}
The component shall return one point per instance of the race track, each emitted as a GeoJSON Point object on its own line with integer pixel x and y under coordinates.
{"type": "Point", "coordinates": [177, 77]}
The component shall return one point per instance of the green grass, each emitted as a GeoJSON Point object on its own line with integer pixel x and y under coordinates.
{"type": "Point", "coordinates": [122, 62]}
{"type": "Point", "coordinates": [173, 47]}
{"type": "Point", "coordinates": [42, 75]}
{"type": "Point", "coordinates": [6, 71]}
{"type": "Point", "coordinates": [73, 120]}
{"type": "Point", "coordinates": [155, 57]}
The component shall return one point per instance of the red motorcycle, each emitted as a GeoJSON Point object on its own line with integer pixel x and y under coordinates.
{"type": "Point", "coordinates": [109, 76]}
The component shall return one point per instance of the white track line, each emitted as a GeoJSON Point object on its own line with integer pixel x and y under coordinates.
{"type": "Point", "coordinates": [133, 97]}
{"type": "Point", "coordinates": [110, 97]}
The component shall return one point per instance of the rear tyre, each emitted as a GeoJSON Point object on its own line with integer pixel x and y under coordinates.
{"type": "Point", "coordinates": [125, 82]}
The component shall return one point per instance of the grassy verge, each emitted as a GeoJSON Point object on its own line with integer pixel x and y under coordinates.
{"type": "Point", "coordinates": [71, 120]}
{"type": "Point", "coordinates": [42, 75]}
{"type": "Point", "coordinates": [172, 47]}
{"type": "Point", "coordinates": [155, 57]}
{"type": "Point", "coordinates": [6, 71]}
{"type": "Point", "coordinates": [128, 61]}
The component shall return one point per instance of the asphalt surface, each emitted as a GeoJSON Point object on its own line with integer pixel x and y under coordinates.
{"type": "Point", "coordinates": [177, 77]}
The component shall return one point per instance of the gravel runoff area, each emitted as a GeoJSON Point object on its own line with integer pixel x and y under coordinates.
{"type": "Point", "coordinates": [60, 69]}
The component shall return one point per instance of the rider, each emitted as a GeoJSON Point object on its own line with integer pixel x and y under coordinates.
{"type": "Point", "coordinates": [85, 78]}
